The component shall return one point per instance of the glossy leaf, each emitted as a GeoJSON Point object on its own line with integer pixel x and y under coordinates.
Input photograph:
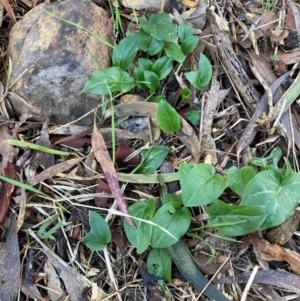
{"type": "Point", "coordinates": [193, 117]}
{"type": "Point", "coordinates": [234, 220]}
{"type": "Point", "coordinates": [100, 235]}
{"type": "Point", "coordinates": [189, 44]}
{"type": "Point", "coordinates": [139, 78]}
{"type": "Point", "coordinates": [125, 52]}
{"type": "Point", "coordinates": [201, 185]}
{"type": "Point", "coordinates": [200, 79]}
{"type": "Point", "coordinates": [140, 236]}
{"type": "Point", "coordinates": [152, 80]}
{"type": "Point", "coordinates": [161, 27]}
{"type": "Point", "coordinates": [175, 219]}
{"type": "Point", "coordinates": [159, 263]}
{"type": "Point", "coordinates": [274, 194]}
{"type": "Point", "coordinates": [269, 162]}
{"type": "Point", "coordinates": [167, 117]}
{"type": "Point", "coordinates": [145, 64]}
{"type": "Point", "coordinates": [174, 52]}
{"type": "Point", "coordinates": [110, 80]}
{"type": "Point", "coordinates": [162, 67]}
{"type": "Point", "coordinates": [152, 159]}
{"type": "Point", "coordinates": [238, 179]}
{"type": "Point", "coordinates": [184, 31]}
{"type": "Point", "coordinates": [149, 44]}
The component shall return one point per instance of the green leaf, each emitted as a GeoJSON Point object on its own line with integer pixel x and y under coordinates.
{"type": "Point", "coordinates": [167, 117]}
{"type": "Point", "coordinates": [160, 26]}
{"type": "Point", "coordinates": [139, 78]}
{"type": "Point", "coordinates": [186, 93]}
{"type": "Point", "coordinates": [157, 98]}
{"type": "Point", "coordinates": [174, 52]}
{"type": "Point", "coordinates": [125, 52]}
{"type": "Point", "coordinates": [238, 179]}
{"type": "Point", "coordinates": [184, 31]}
{"type": "Point", "coordinates": [170, 197]}
{"type": "Point", "coordinates": [149, 44]}
{"type": "Point", "coordinates": [269, 162]}
{"type": "Point", "coordinates": [152, 80]}
{"type": "Point", "coordinates": [152, 159]}
{"type": "Point", "coordinates": [193, 117]}
{"type": "Point", "coordinates": [145, 64]}
{"type": "Point", "coordinates": [200, 79]}
{"type": "Point", "coordinates": [234, 220]}
{"type": "Point", "coordinates": [47, 234]}
{"type": "Point", "coordinates": [159, 263]}
{"type": "Point", "coordinates": [205, 70]}
{"type": "Point", "coordinates": [100, 235]}
{"type": "Point", "coordinates": [140, 236]}
{"type": "Point", "coordinates": [184, 169]}
{"type": "Point", "coordinates": [201, 185]}
{"type": "Point", "coordinates": [37, 147]}
{"type": "Point", "coordinates": [189, 44]}
{"type": "Point", "coordinates": [22, 185]}
{"type": "Point", "coordinates": [175, 219]}
{"type": "Point", "coordinates": [162, 67]}
{"type": "Point", "coordinates": [270, 192]}
{"type": "Point", "coordinates": [110, 80]}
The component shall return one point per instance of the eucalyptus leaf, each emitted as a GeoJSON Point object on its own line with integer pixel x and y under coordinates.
{"type": "Point", "coordinates": [125, 52]}
{"type": "Point", "coordinates": [100, 235]}
{"type": "Point", "coordinates": [167, 117]}
{"type": "Point", "coordinates": [234, 220]}
{"type": "Point", "coordinates": [238, 179]}
{"type": "Point", "coordinates": [201, 185]}
{"type": "Point", "coordinates": [159, 263]}
{"type": "Point", "coordinates": [274, 194]}
{"type": "Point", "coordinates": [175, 219]}
{"type": "Point", "coordinates": [110, 80]}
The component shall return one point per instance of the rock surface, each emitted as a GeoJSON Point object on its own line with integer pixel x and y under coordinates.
{"type": "Point", "coordinates": [58, 58]}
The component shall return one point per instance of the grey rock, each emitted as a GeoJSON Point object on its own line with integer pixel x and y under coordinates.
{"type": "Point", "coordinates": [57, 58]}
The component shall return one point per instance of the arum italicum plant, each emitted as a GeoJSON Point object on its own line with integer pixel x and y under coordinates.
{"type": "Point", "coordinates": [266, 198]}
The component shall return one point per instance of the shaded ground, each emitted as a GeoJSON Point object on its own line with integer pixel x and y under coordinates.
{"type": "Point", "coordinates": [251, 45]}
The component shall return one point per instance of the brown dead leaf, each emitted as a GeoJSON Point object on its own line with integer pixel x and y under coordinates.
{"type": "Point", "coordinates": [53, 282]}
{"type": "Point", "coordinates": [10, 262]}
{"type": "Point", "coordinates": [7, 190]}
{"type": "Point", "coordinates": [278, 34]}
{"type": "Point", "coordinates": [102, 187]}
{"type": "Point", "coordinates": [281, 234]}
{"type": "Point", "coordinates": [267, 251]}
{"type": "Point", "coordinates": [264, 24]}
{"type": "Point", "coordinates": [75, 283]}
{"type": "Point", "coordinates": [122, 152]}
{"type": "Point", "coordinates": [41, 158]}
{"type": "Point", "coordinates": [103, 157]}
{"type": "Point", "coordinates": [281, 279]}
{"type": "Point", "coordinates": [53, 170]}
